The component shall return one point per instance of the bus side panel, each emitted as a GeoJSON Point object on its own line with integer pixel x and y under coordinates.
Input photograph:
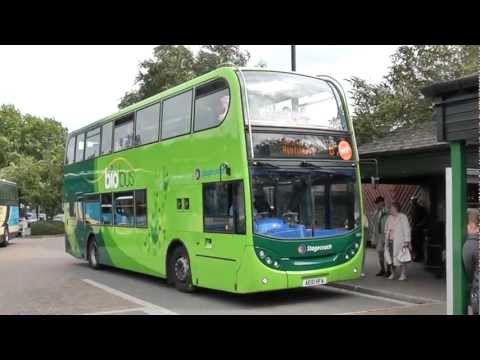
{"type": "Point", "coordinates": [213, 273]}
{"type": "Point", "coordinates": [72, 245]}
{"type": "Point", "coordinates": [13, 220]}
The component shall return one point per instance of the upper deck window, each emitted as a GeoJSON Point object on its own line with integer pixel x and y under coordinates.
{"type": "Point", "coordinates": [211, 104]}
{"type": "Point", "coordinates": [70, 151]}
{"type": "Point", "coordinates": [107, 138]}
{"type": "Point", "coordinates": [80, 148]}
{"type": "Point", "coordinates": [146, 127]}
{"type": "Point", "coordinates": [176, 115]}
{"type": "Point", "coordinates": [123, 133]}
{"type": "Point", "coordinates": [291, 100]}
{"type": "Point", "coordinates": [92, 149]}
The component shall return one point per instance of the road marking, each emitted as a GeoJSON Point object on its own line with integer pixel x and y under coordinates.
{"type": "Point", "coordinates": [376, 297]}
{"type": "Point", "coordinates": [146, 306]}
{"type": "Point", "coordinates": [112, 312]}
{"type": "Point", "coordinates": [387, 309]}
{"type": "Point", "coordinates": [372, 310]}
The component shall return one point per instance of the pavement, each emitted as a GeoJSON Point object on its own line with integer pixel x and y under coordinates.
{"type": "Point", "coordinates": [38, 277]}
{"type": "Point", "coordinates": [421, 286]}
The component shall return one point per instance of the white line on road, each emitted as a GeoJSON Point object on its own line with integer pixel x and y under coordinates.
{"type": "Point", "coordinates": [114, 312]}
{"type": "Point", "coordinates": [376, 297]}
{"type": "Point", "coordinates": [147, 306]}
{"type": "Point", "coordinates": [388, 309]}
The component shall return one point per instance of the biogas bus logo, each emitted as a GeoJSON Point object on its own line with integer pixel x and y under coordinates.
{"type": "Point", "coordinates": [302, 249]}
{"type": "Point", "coordinates": [118, 178]}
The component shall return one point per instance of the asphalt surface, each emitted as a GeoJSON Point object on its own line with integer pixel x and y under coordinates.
{"type": "Point", "coordinates": [38, 277]}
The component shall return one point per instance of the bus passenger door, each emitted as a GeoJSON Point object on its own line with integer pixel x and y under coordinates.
{"type": "Point", "coordinates": [79, 229]}
{"type": "Point", "coordinates": [221, 247]}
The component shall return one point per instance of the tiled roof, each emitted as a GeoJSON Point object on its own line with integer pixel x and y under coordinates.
{"type": "Point", "coordinates": [419, 136]}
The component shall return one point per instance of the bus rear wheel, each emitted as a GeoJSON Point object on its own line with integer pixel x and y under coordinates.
{"type": "Point", "coordinates": [179, 270]}
{"type": "Point", "coordinates": [4, 238]}
{"type": "Point", "coordinates": [92, 254]}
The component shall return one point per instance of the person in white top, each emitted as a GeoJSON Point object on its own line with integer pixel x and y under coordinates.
{"type": "Point", "coordinates": [397, 240]}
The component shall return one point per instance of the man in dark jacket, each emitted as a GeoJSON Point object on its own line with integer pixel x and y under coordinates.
{"type": "Point", "coordinates": [419, 224]}
{"type": "Point", "coordinates": [470, 260]}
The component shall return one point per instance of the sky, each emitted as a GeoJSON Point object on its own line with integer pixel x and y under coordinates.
{"type": "Point", "coordinates": [78, 85]}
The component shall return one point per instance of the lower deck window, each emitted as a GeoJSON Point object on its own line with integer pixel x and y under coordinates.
{"type": "Point", "coordinates": [224, 207]}
{"type": "Point", "coordinates": [141, 208]}
{"type": "Point", "coordinates": [107, 216]}
{"type": "Point", "coordinates": [92, 210]}
{"type": "Point", "coordinates": [124, 209]}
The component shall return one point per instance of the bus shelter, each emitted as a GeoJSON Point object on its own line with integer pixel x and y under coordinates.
{"type": "Point", "coordinates": [455, 111]}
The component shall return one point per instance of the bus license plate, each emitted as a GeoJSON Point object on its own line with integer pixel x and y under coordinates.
{"type": "Point", "coordinates": [315, 281]}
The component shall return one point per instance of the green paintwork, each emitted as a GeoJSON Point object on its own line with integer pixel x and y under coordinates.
{"type": "Point", "coordinates": [459, 225]}
{"type": "Point", "coordinates": [167, 170]}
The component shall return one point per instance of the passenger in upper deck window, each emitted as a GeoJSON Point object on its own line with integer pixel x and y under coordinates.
{"type": "Point", "coordinates": [223, 107]}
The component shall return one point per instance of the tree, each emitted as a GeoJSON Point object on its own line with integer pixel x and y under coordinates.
{"type": "Point", "coordinates": [173, 64]}
{"type": "Point", "coordinates": [33, 157]}
{"type": "Point", "coordinates": [261, 64]}
{"type": "Point", "coordinates": [397, 100]}
{"type": "Point", "coordinates": [212, 56]}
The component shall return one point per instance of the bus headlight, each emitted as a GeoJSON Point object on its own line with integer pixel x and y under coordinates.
{"type": "Point", "coordinates": [268, 260]}
{"type": "Point", "coordinates": [261, 254]}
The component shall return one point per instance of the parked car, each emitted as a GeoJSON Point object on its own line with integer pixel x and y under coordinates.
{"type": "Point", "coordinates": [59, 217]}
{"type": "Point", "coordinates": [30, 218]}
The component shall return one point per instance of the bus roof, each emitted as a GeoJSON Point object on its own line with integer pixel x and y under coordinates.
{"type": "Point", "coordinates": [7, 182]}
{"type": "Point", "coordinates": [183, 86]}
{"type": "Point", "coordinates": [152, 99]}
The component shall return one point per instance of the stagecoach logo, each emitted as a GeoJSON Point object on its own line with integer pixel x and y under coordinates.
{"type": "Point", "coordinates": [116, 178]}
{"type": "Point", "coordinates": [302, 249]}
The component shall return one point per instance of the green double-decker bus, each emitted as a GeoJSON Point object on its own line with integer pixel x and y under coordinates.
{"type": "Point", "coordinates": [241, 180]}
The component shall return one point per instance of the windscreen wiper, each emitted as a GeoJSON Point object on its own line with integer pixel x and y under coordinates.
{"type": "Point", "coordinates": [308, 164]}
{"type": "Point", "coordinates": [260, 163]}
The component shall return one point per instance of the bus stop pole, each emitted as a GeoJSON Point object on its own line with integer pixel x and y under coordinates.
{"type": "Point", "coordinates": [458, 215]}
{"type": "Point", "coordinates": [294, 58]}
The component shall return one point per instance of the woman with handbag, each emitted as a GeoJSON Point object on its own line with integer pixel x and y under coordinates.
{"type": "Point", "coordinates": [397, 242]}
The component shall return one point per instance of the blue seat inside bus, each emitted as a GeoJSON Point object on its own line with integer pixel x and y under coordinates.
{"type": "Point", "coordinates": [277, 227]}
{"type": "Point", "coordinates": [107, 218]}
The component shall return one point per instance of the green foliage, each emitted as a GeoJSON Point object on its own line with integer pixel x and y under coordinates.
{"type": "Point", "coordinates": [397, 101]}
{"type": "Point", "coordinates": [33, 157]}
{"type": "Point", "coordinates": [47, 228]}
{"type": "Point", "coordinates": [174, 64]}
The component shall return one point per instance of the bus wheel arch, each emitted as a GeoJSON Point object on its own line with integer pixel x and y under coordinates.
{"type": "Point", "coordinates": [178, 266]}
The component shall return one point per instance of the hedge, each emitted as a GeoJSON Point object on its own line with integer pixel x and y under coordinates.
{"type": "Point", "coordinates": [47, 228]}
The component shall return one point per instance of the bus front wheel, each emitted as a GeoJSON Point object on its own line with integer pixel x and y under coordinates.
{"type": "Point", "coordinates": [179, 270]}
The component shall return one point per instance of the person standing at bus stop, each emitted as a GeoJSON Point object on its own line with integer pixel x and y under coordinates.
{"type": "Point", "coordinates": [470, 261]}
{"type": "Point", "coordinates": [377, 233]}
{"type": "Point", "coordinates": [419, 224]}
{"type": "Point", "coordinates": [397, 241]}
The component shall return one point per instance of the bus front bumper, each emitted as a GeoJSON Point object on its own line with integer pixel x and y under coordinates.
{"type": "Point", "coordinates": [253, 276]}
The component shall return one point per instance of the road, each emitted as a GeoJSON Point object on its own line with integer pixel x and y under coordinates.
{"type": "Point", "coordinates": [38, 277]}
